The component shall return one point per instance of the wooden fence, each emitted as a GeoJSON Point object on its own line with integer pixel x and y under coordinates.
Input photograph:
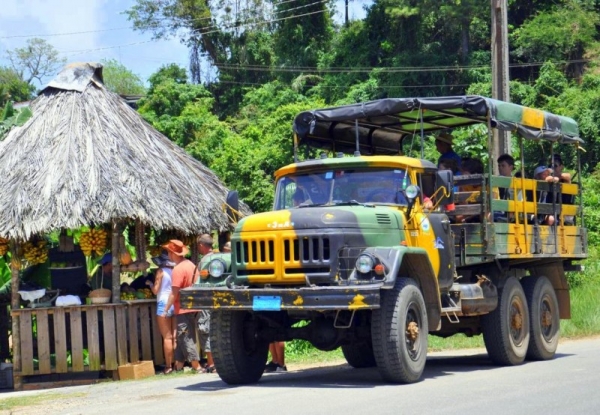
{"type": "Point", "coordinates": [86, 338]}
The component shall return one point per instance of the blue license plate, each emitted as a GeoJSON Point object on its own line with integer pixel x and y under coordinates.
{"type": "Point", "coordinates": [266, 303]}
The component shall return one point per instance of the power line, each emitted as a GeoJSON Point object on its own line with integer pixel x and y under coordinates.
{"type": "Point", "coordinates": [389, 69]}
{"type": "Point", "coordinates": [66, 34]}
{"type": "Point", "coordinates": [203, 33]}
{"type": "Point", "coordinates": [351, 86]}
{"type": "Point", "coordinates": [131, 27]}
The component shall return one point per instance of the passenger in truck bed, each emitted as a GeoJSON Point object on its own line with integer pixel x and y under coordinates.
{"type": "Point", "coordinates": [543, 173]}
{"type": "Point", "coordinates": [468, 167]}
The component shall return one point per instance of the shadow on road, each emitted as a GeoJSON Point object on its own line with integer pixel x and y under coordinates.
{"type": "Point", "coordinates": [344, 376]}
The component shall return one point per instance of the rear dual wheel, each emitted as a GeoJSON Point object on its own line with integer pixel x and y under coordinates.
{"type": "Point", "coordinates": [544, 328]}
{"type": "Point", "coordinates": [359, 355]}
{"type": "Point", "coordinates": [506, 329]}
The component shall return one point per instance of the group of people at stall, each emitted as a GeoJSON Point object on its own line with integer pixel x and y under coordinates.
{"type": "Point", "coordinates": [178, 326]}
{"type": "Point", "coordinates": [183, 329]}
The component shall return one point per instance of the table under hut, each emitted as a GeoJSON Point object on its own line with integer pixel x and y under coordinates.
{"type": "Point", "coordinates": [86, 164]}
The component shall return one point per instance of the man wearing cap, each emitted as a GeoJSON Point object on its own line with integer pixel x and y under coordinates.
{"type": "Point", "coordinates": [183, 276]}
{"type": "Point", "coordinates": [443, 144]}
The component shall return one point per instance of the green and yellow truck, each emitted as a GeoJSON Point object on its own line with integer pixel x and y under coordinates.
{"type": "Point", "coordinates": [364, 250]}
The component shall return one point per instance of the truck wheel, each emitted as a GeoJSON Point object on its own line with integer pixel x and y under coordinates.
{"type": "Point", "coordinates": [544, 321]}
{"type": "Point", "coordinates": [359, 355]}
{"type": "Point", "coordinates": [399, 333]}
{"type": "Point", "coordinates": [506, 329]}
{"type": "Point", "coordinates": [240, 357]}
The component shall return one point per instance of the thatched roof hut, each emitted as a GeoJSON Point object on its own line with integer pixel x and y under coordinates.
{"type": "Point", "coordinates": [85, 157]}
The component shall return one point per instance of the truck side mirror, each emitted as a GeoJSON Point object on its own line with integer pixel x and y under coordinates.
{"type": "Point", "coordinates": [232, 206]}
{"type": "Point", "coordinates": [444, 178]}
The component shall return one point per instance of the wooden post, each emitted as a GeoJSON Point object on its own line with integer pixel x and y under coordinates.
{"type": "Point", "coordinates": [116, 272]}
{"type": "Point", "coordinates": [500, 75]}
{"type": "Point", "coordinates": [15, 304]}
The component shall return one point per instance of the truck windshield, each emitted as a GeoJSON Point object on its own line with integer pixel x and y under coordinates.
{"type": "Point", "coordinates": [335, 187]}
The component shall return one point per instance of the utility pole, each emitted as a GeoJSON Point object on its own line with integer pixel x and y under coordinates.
{"type": "Point", "coordinates": [500, 87]}
{"type": "Point", "coordinates": [346, 23]}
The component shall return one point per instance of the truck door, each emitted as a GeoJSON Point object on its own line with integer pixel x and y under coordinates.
{"type": "Point", "coordinates": [444, 244]}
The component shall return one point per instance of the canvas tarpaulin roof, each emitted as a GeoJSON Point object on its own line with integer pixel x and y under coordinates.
{"type": "Point", "coordinates": [382, 123]}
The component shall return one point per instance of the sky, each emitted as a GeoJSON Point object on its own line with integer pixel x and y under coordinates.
{"type": "Point", "coordinates": [97, 30]}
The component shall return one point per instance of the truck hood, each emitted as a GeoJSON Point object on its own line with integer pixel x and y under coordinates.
{"type": "Point", "coordinates": [352, 217]}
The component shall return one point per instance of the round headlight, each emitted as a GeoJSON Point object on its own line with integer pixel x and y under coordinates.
{"type": "Point", "coordinates": [216, 268]}
{"type": "Point", "coordinates": [412, 191]}
{"type": "Point", "coordinates": [364, 263]}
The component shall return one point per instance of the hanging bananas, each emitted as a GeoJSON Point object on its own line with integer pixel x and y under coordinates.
{"type": "Point", "coordinates": [35, 252]}
{"type": "Point", "coordinates": [3, 246]}
{"type": "Point", "coordinates": [93, 241]}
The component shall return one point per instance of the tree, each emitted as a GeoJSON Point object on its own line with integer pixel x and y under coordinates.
{"type": "Point", "coordinates": [178, 110]}
{"type": "Point", "coordinates": [310, 36]}
{"type": "Point", "coordinates": [565, 33]}
{"type": "Point", "coordinates": [36, 60]}
{"type": "Point", "coordinates": [119, 79]}
{"type": "Point", "coordinates": [207, 28]}
{"type": "Point", "coordinates": [12, 87]}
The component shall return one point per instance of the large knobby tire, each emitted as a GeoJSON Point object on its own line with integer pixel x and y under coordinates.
{"type": "Point", "coordinates": [359, 355]}
{"type": "Point", "coordinates": [399, 333]}
{"type": "Point", "coordinates": [544, 318]}
{"type": "Point", "coordinates": [506, 329]}
{"type": "Point", "coordinates": [238, 354]}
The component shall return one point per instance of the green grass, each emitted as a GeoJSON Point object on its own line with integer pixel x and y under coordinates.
{"type": "Point", "coordinates": [30, 400]}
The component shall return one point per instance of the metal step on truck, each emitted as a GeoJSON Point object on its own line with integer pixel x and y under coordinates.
{"type": "Point", "coordinates": [367, 249]}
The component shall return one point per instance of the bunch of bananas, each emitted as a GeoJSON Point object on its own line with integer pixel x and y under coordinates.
{"type": "Point", "coordinates": [3, 246]}
{"type": "Point", "coordinates": [94, 240]}
{"type": "Point", "coordinates": [35, 252]}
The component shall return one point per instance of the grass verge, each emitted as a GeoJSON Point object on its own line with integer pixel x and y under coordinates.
{"type": "Point", "coordinates": [7, 404]}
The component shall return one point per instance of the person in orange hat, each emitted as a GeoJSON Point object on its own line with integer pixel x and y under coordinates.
{"type": "Point", "coordinates": [183, 276]}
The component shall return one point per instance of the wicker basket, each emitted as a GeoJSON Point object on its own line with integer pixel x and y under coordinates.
{"type": "Point", "coordinates": [100, 296]}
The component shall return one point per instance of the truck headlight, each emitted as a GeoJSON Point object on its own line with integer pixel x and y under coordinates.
{"type": "Point", "coordinates": [216, 268]}
{"type": "Point", "coordinates": [364, 263]}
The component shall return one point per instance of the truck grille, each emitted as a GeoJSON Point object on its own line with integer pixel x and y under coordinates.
{"type": "Point", "coordinates": [299, 255]}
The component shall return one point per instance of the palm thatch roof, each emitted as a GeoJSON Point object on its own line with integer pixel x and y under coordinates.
{"type": "Point", "coordinates": [87, 158]}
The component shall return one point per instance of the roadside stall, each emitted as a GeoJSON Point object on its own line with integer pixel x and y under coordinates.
{"type": "Point", "coordinates": [83, 177]}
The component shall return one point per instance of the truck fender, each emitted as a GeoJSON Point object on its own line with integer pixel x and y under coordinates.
{"type": "Point", "coordinates": [413, 263]}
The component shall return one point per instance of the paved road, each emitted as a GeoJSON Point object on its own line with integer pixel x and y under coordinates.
{"type": "Point", "coordinates": [461, 382]}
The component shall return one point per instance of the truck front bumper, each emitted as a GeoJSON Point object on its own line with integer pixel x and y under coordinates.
{"type": "Point", "coordinates": [275, 299]}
